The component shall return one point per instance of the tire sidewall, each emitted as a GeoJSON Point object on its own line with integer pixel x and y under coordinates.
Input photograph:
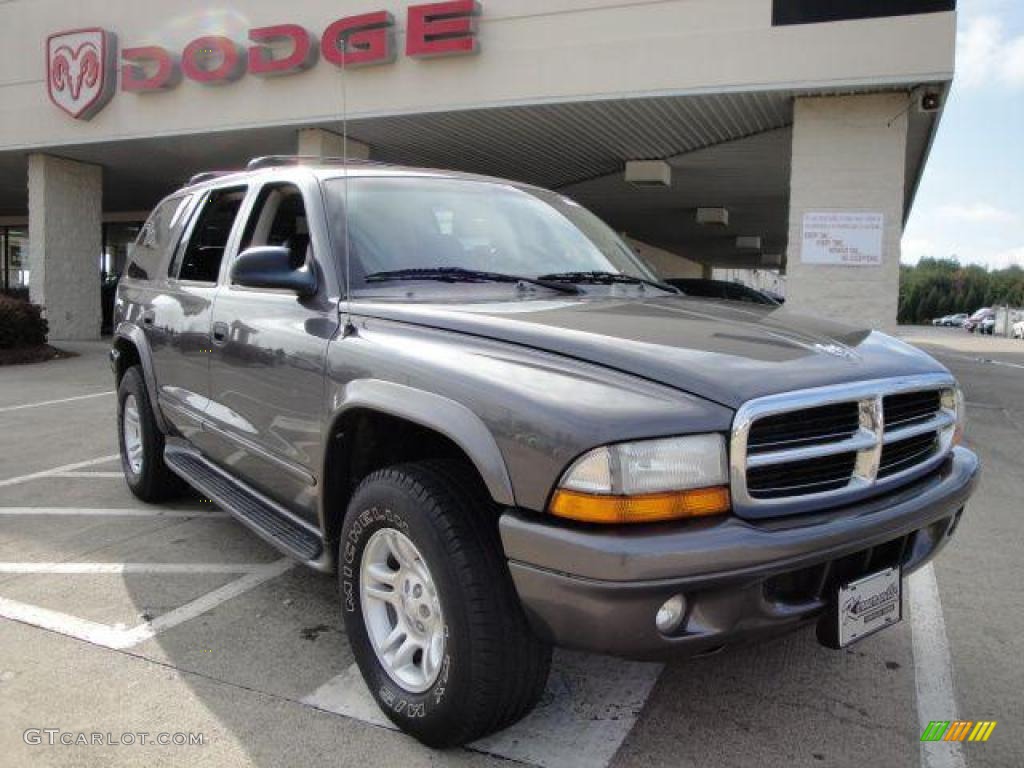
{"type": "Point", "coordinates": [437, 708]}
{"type": "Point", "coordinates": [132, 384]}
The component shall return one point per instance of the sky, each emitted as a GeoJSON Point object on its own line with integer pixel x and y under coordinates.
{"type": "Point", "coordinates": [971, 200]}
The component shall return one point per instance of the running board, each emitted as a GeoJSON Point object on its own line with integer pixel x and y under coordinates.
{"type": "Point", "coordinates": [267, 518]}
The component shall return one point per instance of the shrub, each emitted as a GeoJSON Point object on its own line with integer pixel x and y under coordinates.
{"type": "Point", "coordinates": [18, 292]}
{"type": "Point", "coordinates": [21, 324]}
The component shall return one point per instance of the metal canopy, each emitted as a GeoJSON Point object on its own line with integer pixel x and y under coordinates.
{"type": "Point", "coordinates": [726, 149]}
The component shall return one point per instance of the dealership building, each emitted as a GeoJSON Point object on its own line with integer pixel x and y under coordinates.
{"type": "Point", "coordinates": [757, 137]}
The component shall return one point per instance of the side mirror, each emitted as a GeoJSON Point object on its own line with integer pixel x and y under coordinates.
{"type": "Point", "coordinates": [270, 266]}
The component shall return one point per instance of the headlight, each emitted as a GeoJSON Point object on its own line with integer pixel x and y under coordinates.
{"type": "Point", "coordinates": [646, 481]}
{"type": "Point", "coordinates": [953, 401]}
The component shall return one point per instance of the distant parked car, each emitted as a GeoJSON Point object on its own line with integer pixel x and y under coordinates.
{"type": "Point", "coordinates": [944, 320]}
{"type": "Point", "coordinates": [988, 326]}
{"type": "Point", "coordinates": [955, 321]}
{"type": "Point", "coordinates": [721, 289]}
{"type": "Point", "coordinates": [975, 320]}
{"type": "Point", "coordinates": [1018, 330]}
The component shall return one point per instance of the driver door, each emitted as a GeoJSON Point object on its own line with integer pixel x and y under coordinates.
{"type": "Point", "coordinates": [269, 351]}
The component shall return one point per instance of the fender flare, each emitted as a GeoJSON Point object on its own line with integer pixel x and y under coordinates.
{"type": "Point", "coordinates": [441, 414]}
{"type": "Point", "coordinates": [132, 333]}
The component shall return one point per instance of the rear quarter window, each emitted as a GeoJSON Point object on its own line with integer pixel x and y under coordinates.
{"type": "Point", "coordinates": [157, 238]}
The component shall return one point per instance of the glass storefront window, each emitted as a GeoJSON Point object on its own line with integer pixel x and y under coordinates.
{"type": "Point", "coordinates": [117, 238]}
{"type": "Point", "coordinates": [15, 258]}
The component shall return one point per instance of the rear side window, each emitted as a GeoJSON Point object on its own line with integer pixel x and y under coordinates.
{"type": "Point", "coordinates": [204, 252]}
{"type": "Point", "coordinates": [157, 237]}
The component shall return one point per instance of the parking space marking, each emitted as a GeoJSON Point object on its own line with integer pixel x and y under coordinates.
{"type": "Point", "coordinates": [58, 470]}
{"type": "Point", "coordinates": [590, 706]}
{"type": "Point", "coordinates": [8, 408]}
{"type": "Point", "coordinates": [88, 474]}
{"type": "Point", "coordinates": [933, 668]}
{"type": "Point", "coordinates": [107, 568]}
{"type": "Point", "coordinates": [113, 512]}
{"type": "Point", "coordinates": [65, 624]}
{"type": "Point", "coordinates": [207, 602]}
{"type": "Point", "coordinates": [120, 638]}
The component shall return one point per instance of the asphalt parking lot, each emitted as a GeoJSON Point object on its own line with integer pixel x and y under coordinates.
{"type": "Point", "coordinates": [122, 619]}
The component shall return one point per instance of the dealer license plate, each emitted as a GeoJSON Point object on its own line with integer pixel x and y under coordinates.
{"type": "Point", "coordinates": [869, 604]}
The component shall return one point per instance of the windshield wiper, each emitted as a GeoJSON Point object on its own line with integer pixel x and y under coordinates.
{"type": "Point", "coordinates": [460, 275]}
{"type": "Point", "coordinates": [606, 278]}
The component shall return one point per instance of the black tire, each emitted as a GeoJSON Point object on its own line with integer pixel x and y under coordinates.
{"type": "Point", "coordinates": [154, 481]}
{"type": "Point", "coordinates": [494, 669]}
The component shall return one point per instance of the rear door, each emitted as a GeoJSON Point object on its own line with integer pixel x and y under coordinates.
{"type": "Point", "coordinates": [269, 351]}
{"type": "Point", "coordinates": [180, 316]}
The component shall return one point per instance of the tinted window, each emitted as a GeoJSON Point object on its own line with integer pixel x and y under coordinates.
{"type": "Point", "coordinates": [157, 237]}
{"type": "Point", "coordinates": [205, 250]}
{"type": "Point", "coordinates": [279, 218]}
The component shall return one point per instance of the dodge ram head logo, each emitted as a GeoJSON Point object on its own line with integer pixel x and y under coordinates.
{"type": "Point", "coordinates": [81, 70]}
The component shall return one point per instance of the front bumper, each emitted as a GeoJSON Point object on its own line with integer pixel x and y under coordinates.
{"type": "Point", "coordinates": [597, 589]}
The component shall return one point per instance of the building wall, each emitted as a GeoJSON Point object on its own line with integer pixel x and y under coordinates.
{"type": "Point", "coordinates": [532, 51]}
{"type": "Point", "coordinates": [760, 279]}
{"type": "Point", "coordinates": [664, 263]}
{"type": "Point", "coordinates": [849, 155]}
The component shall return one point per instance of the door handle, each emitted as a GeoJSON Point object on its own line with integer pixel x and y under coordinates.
{"type": "Point", "coordinates": [220, 333]}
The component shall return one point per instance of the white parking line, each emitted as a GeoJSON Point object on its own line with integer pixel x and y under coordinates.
{"type": "Point", "coordinates": [83, 629]}
{"type": "Point", "coordinates": [590, 706]}
{"type": "Point", "coordinates": [8, 408]}
{"type": "Point", "coordinates": [933, 668]}
{"type": "Point", "coordinates": [105, 512]}
{"type": "Point", "coordinates": [88, 474]}
{"type": "Point", "coordinates": [107, 568]}
{"type": "Point", "coordinates": [58, 470]}
{"type": "Point", "coordinates": [119, 638]}
{"type": "Point", "coordinates": [207, 602]}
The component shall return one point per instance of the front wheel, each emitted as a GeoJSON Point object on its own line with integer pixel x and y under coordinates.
{"type": "Point", "coordinates": [430, 609]}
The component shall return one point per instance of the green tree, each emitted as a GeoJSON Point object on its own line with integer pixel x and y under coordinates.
{"type": "Point", "coordinates": [936, 287]}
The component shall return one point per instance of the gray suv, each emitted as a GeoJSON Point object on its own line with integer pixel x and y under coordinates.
{"type": "Point", "coordinates": [471, 400]}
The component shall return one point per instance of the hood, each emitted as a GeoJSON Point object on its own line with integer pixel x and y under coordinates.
{"type": "Point", "coordinates": [726, 352]}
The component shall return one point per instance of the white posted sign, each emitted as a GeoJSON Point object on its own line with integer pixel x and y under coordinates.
{"type": "Point", "coordinates": [846, 239]}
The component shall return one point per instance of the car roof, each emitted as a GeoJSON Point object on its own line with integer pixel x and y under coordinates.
{"type": "Point", "coordinates": [333, 169]}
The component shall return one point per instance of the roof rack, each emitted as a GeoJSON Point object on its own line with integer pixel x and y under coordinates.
{"type": "Point", "coordinates": [272, 161]}
{"type": "Point", "coordinates": [207, 176]}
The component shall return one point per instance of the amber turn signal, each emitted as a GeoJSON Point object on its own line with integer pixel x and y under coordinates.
{"type": "Point", "coordinates": [648, 508]}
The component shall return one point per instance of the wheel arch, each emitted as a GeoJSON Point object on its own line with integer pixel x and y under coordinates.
{"type": "Point", "coordinates": [131, 348]}
{"type": "Point", "coordinates": [444, 424]}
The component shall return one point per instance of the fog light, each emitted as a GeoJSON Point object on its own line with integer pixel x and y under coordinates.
{"type": "Point", "coordinates": [670, 615]}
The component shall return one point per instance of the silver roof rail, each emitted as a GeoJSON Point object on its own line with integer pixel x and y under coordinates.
{"type": "Point", "coordinates": [272, 161]}
{"type": "Point", "coordinates": [207, 176]}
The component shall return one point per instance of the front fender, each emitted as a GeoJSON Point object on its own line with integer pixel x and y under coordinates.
{"type": "Point", "coordinates": [441, 414]}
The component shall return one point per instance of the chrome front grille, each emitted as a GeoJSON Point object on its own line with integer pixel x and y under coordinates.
{"type": "Point", "coordinates": [819, 448]}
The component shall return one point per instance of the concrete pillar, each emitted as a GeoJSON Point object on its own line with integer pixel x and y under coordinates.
{"type": "Point", "coordinates": [318, 142]}
{"type": "Point", "coordinates": [65, 230]}
{"type": "Point", "coordinates": [849, 156]}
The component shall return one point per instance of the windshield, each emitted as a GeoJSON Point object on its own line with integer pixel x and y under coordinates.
{"type": "Point", "coordinates": [402, 223]}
